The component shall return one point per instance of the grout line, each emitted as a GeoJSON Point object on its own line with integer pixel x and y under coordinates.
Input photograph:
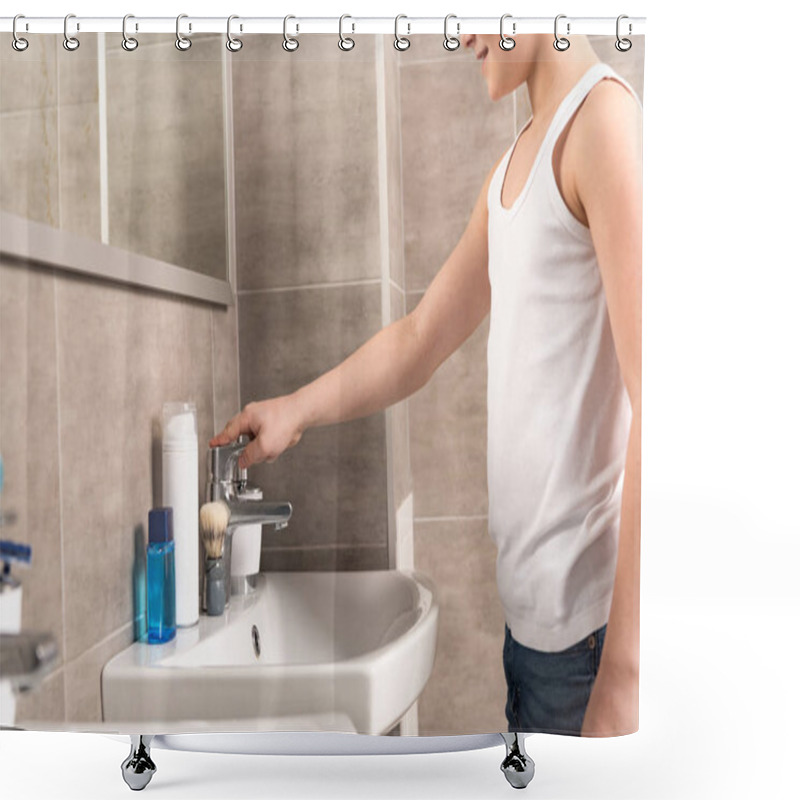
{"type": "Point", "coordinates": [58, 403]}
{"type": "Point", "coordinates": [386, 309]}
{"type": "Point", "coordinates": [393, 282]}
{"type": "Point", "coordinates": [327, 285]}
{"type": "Point", "coordinates": [456, 518]}
{"type": "Point", "coordinates": [105, 640]}
{"type": "Point", "coordinates": [406, 406]}
{"type": "Point", "coordinates": [102, 116]}
{"type": "Point", "coordinates": [383, 180]}
{"type": "Point", "coordinates": [213, 374]}
{"type": "Point", "coordinates": [438, 60]}
{"type": "Point", "coordinates": [165, 43]}
{"type": "Point", "coordinates": [401, 210]}
{"type": "Point", "coordinates": [230, 202]}
{"type": "Point", "coordinates": [60, 485]}
{"type": "Point", "coordinates": [337, 546]}
{"type": "Point", "coordinates": [58, 135]}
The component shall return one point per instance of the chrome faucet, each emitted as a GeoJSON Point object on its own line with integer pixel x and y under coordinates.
{"type": "Point", "coordinates": [26, 657]}
{"type": "Point", "coordinates": [227, 482]}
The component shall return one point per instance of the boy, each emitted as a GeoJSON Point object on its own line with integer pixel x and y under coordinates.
{"type": "Point", "coordinates": [553, 249]}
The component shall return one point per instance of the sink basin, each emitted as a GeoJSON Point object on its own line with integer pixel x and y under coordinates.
{"type": "Point", "coordinates": [310, 651]}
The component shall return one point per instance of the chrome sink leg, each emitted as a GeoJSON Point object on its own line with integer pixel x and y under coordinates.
{"type": "Point", "coordinates": [138, 767]}
{"type": "Point", "coordinates": [517, 766]}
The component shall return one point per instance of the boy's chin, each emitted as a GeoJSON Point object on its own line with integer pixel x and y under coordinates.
{"type": "Point", "coordinates": [496, 92]}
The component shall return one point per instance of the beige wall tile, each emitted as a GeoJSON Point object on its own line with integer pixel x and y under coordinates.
{"type": "Point", "coordinates": [429, 48]}
{"type": "Point", "coordinates": [399, 422]}
{"type": "Point", "coordinates": [325, 559]}
{"type": "Point", "coordinates": [44, 705]}
{"type": "Point", "coordinates": [79, 169]}
{"type": "Point", "coordinates": [447, 419]}
{"type": "Point", "coordinates": [629, 65]}
{"type": "Point", "coordinates": [29, 440]}
{"type": "Point", "coordinates": [226, 365]}
{"type": "Point", "coordinates": [336, 475]}
{"type": "Point", "coordinates": [28, 79]}
{"type": "Point", "coordinates": [156, 43]}
{"type": "Point", "coordinates": [166, 165]}
{"type": "Point", "coordinates": [306, 163]}
{"type": "Point", "coordinates": [77, 70]}
{"type": "Point", "coordinates": [394, 161]}
{"type": "Point", "coordinates": [287, 339]}
{"type": "Point", "coordinates": [83, 677]}
{"type": "Point", "coordinates": [197, 377]}
{"type": "Point", "coordinates": [397, 303]}
{"type": "Point", "coordinates": [122, 353]}
{"type": "Point", "coordinates": [98, 552]}
{"type": "Point", "coordinates": [29, 166]}
{"type": "Point", "coordinates": [452, 136]}
{"type": "Point", "coordinates": [335, 478]}
{"type": "Point", "coordinates": [466, 692]}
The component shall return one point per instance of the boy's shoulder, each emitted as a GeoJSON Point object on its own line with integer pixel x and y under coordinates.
{"type": "Point", "coordinates": [608, 105]}
{"type": "Point", "coordinates": [607, 123]}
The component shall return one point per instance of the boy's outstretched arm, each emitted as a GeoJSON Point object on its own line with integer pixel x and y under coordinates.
{"type": "Point", "coordinates": [394, 363]}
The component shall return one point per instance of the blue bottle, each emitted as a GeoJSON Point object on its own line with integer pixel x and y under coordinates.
{"type": "Point", "coordinates": [160, 576]}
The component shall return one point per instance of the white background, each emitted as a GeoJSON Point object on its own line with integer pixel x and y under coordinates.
{"type": "Point", "coordinates": [720, 544]}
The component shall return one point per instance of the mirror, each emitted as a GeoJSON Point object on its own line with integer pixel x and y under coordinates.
{"type": "Point", "coordinates": [116, 163]}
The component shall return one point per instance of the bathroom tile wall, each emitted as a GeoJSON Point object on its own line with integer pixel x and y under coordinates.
{"type": "Point", "coordinates": [400, 482]}
{"type": "Point", "coordinates": [166, 175]}
{"type": "Point", "coordinates": [86, 364]}
{"type": "Point", "coordinates": [312, 283]}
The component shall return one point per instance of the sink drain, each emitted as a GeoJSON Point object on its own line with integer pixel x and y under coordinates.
{"type": "Point", "coordinates": [256, 640]}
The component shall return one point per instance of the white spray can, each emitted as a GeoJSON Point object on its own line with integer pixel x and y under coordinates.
{"type": "Point", "coordinates": [180, 473]}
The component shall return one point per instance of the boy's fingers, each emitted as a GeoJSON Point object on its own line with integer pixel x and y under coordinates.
{"type": "Point", "coordinates": [230, 432]}
{"type": "Point", "coordinates": [250, 455]}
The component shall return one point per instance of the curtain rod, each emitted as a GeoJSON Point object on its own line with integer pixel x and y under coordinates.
{"type": "Point", "coordinates": [631, 26]}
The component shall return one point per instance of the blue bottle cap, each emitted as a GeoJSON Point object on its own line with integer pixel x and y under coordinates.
{"type": "Point", "coordinates": [159, 525]}
{"type": "Point", "coordinates": [14, 551]}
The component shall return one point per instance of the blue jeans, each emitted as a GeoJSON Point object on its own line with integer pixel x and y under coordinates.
{"type": "Point", "coordinates": [549, 692]}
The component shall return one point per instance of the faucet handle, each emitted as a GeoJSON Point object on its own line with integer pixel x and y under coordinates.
{"type": "Point", "coordinates": [223, 465]}
{"type": "Point", "coordinates": [242, 471]}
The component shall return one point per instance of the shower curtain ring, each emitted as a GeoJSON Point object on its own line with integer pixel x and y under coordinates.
{"type": "Point", "coordinates": [129, 43]}
{"type": "Point", "coordinates": [346, 43]}
{"type": "Point", "coordinates": [18, 43]}
{"type": "Point", "coordinates": [181, 42]}
{"type": "Point", "coordinates": [561, 44]}
{"type": "Point", "coordinates": [451, 43]}
{"type": "Point", "coordinates": [401, 42]}
{"type": "Point", "coordinates": [71, 43]}
{"type": "Point", "coordinates": [290, 43]}
{"type": "Point", "coordinates": [623, 45]}
{"type": "Point", "coordinates": [506, 42]}
{"type": "Point", "coordinates": [233, 44]}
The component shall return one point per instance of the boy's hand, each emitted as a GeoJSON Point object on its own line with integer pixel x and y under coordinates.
{"type": "Point", "coordinates": [273, 424]}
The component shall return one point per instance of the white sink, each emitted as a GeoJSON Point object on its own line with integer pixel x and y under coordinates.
{"type": "Point", "coordinates": [339, 651]}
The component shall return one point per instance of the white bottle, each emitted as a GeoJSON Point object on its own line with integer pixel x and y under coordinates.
{"type": "Point", "coordinates": [180, 472]}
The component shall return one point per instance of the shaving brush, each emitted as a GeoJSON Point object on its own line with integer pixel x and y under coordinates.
{"type": "Point", "coordinates": [213, 524]}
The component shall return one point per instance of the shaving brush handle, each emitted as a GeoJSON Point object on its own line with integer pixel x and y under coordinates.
{"type": "Point", "coordinates": [215, 586]}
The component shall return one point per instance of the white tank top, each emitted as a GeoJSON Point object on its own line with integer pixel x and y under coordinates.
{"type": "Point", "coordinates": [558, 412]}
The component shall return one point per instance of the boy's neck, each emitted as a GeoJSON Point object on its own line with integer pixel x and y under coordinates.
{"type": "Point", "coordinates": [555, 73]}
